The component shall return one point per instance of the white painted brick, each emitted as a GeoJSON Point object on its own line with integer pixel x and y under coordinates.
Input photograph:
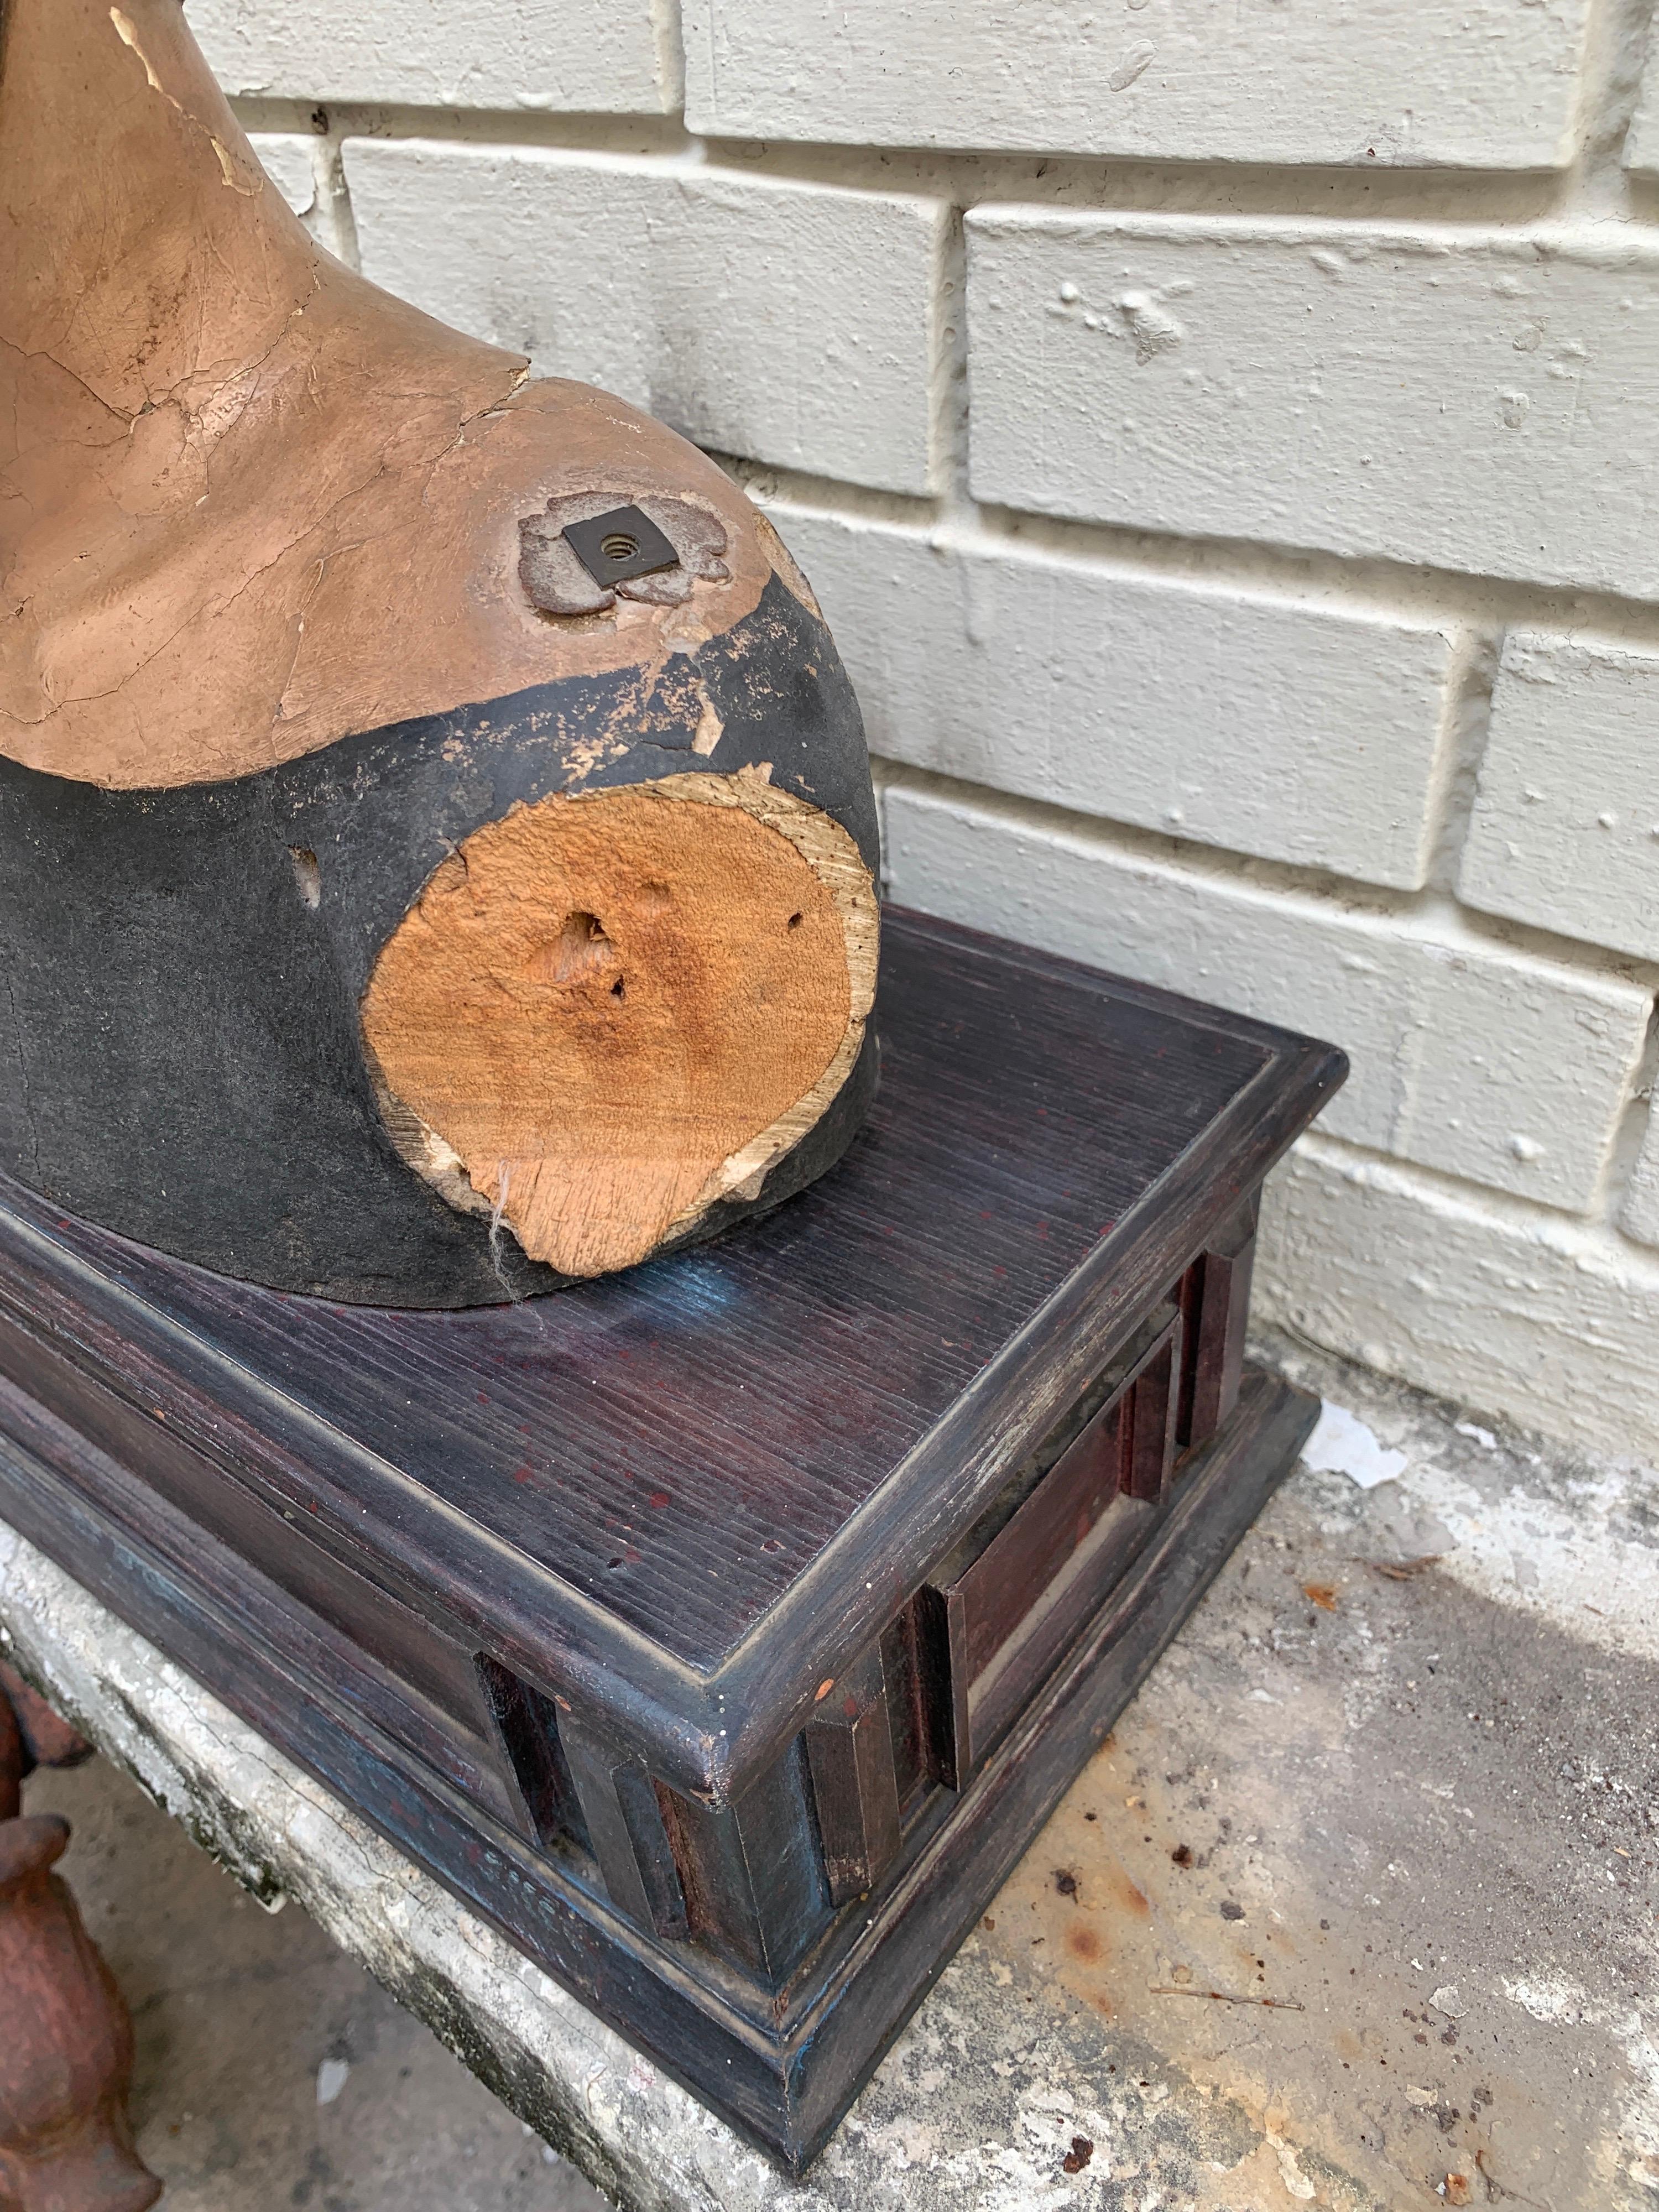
{"type": "Point", "coordinates": [1268, 724]}
{"type": "Point", "coordinates": [789, 322]}
{"type": "Point", "coordinates": [289, 158]}
{"type": "Point", "coordinates": [1483, 1063]}
{"type": "Point", "coordinates": [1565, 830]}
{"type": "Point", "coordinates": [1486, 84]}
{"type": "Point", "coordinates": [596, 56]}
{"type": "Point", "coordinates": [1642, 140]}
{"type": "Point", "coordinates": [285, 158]}
{"type": "Point", "coordinates": [1551, 1324]}
{"type": "Point", "coordinates": [1640, 1218]}
{"type": "Point", "coordinates": [1476, 400]}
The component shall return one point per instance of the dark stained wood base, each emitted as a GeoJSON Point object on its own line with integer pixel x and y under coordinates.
{"type": "Point", "coordinates": [724, 1632]}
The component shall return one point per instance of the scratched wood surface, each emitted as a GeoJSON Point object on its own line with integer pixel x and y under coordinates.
{"type": "Point", "coordinates": [564, 1586]}
{"type": "Point", "coordinates": [680, 1442]}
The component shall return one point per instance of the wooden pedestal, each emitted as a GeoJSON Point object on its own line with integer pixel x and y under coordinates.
{"type": "Point", "coordinates": [722, 1632]}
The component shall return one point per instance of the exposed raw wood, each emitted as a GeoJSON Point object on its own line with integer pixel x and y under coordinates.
{"type": "Point", "coordinates": [249, 503]}
{"type": "Point", "coordinates": [607, 1013]}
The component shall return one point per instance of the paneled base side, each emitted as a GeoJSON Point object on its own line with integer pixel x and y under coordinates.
{"type": "Point", "coordinates": [943, 1889]}
{"type": "Point", "coordinates": [782, 2071]}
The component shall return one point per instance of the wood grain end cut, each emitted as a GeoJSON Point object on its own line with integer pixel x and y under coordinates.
{"type": "Point", "coordinates": [606, 1012]}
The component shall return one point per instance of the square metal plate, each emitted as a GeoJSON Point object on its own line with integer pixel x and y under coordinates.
{"type": "Point", "coordinates": [615, 547]}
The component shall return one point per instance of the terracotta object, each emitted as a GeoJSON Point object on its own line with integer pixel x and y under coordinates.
{"type": "Point", "coordinates": [65, 2039]}
{"type": "Point", "coordinates": [46, 1738]}
{"type": "Point", "coordinates": [311, 603]}
{"type": "Point", "coordinates": [13, 1760]}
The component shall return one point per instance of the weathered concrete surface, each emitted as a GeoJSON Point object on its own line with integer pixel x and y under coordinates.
{"type": "Point", "coordinates": [1356, 1909]}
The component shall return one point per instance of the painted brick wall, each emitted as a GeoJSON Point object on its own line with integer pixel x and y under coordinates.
{"type": "Point", "coordinates": [1224, 436]}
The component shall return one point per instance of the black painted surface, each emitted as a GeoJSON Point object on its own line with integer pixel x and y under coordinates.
{"type": "Point", "coordinates": [179, 1050]}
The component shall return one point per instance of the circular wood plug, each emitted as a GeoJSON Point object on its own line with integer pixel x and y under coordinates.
{"type": "Point", "coordinates": [604, 1013]}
